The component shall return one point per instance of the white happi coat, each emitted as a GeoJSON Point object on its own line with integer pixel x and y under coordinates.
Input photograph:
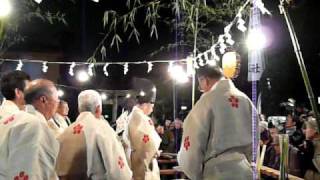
{"type": "Point", "coordinates": [28, 147]}
{"type": "Point", "coordinates": [90, 150]}
{"type": "Point", "coordinates": [7, 108]}
{"type": "Point", "coordinates": [144, 144]}
{"type": "Point", "coordinates": [122, 122]}
{"type": "Point", "coordinates": [217, 139]}
{"type": "Point", "coordinates": [57, 124]}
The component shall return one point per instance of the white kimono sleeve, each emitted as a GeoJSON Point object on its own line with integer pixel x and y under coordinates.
{"type": "Point", "coordinates": [114, 158]}
{"type": "Point", "coordinates": [27, 158]}
{"type": "Point", "coordinates": [196, 129]}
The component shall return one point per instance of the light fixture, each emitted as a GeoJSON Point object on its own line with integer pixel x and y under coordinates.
{"type": "Point", "coordinates": [38, 1]}
{"type": "Point", "coordinates": [83, 76]}
{"type": "Point", "coordinates": [142, 93]}
{"type": "Point", "coordinates": [256, 39]}
{"type": "Point", "coordinates": [5, 8]}
{"type": "Point", "coordinates": [128, 95]}
{"type": "Point", "coordinates": [184, 108]}
{"type": "Point", "coordinates": [190, 70]}
{"type": "Point", "coordinates": [154, 89]}
{"type": "Point", "coordinates": [178, 74]}
{"type": "Point", "coordinates": [103, 96]}
{"type": "Point", "coordinates": [60, 92]}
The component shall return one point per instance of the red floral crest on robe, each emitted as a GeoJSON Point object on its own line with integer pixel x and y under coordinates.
{"type": "Point", "coordinates": [8, 120]}
{"type": "Point", "coordinates": [120, 162]}
{"type": "Point", "coordinates": [145, 138]}
{"type": "Point", "coordinates": [234, 102]}
{"type": "Point", "coordinates": [186, 143]}
{"type": "Point", "coordinates": [77, 129]}
{"type": "Point", "coordinates": [21, 176]}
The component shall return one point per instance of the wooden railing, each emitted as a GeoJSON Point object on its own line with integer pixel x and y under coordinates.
{"type": "Point", "coordinates": [275, 173]}
{"type": "Point", "coordinates": [264, 171]}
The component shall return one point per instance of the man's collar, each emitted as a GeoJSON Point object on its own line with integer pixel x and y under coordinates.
{"type": "Point", "coordinates": [220, 81]}
{"type": "Point", "coordinates": [32, 110]}
{"type": "Point", "coordinates": [7, 104]}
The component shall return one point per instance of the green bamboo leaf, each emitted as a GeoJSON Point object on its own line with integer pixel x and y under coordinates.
{"type": "Point", "coordinates": [113, 25]}
{"type": "Point", "coordinates": [128, 3]}
{"type": "Point", "coordinates": [118, 41]}
{"type": "Point", "coordinates": [105, 18]}
{"type": "Point", "coordinates": [176, 8]}
{"type": "Point", "coordinates": [183, 4]}
{"type": "Point", "coordinates": [113, 41]}
{"type": "Point", "coordinates": [103, 52]}
{"type": "Point", "coordinates": [49, 17]}
{"type": "Point", "coordinates": [136, 34]}
{"type": "Point", "coordinates": [132, 14]}
{"type": "Point", "coordinates": [136, 2]}
{"type": "Point", "coordinates": [154, 31]}
{"type": "Point", "coordinates": [118, 38]}
{"type": "Point", "coordinates": [92, 60]}
{"type": "Point", "coordinates": [148, 17]}
{"type": "Point", "coordinates": [125, 22]}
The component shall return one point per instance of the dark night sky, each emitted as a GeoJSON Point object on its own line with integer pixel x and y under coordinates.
{"type": "Point", "coordinates": [80, 37]}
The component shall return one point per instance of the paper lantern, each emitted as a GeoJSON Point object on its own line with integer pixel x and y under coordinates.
{"type": "Point", "coordinates": [231, 64]}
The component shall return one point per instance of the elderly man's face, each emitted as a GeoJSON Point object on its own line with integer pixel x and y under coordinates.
{"type": "Point", "coordinates": [53, 102]}
{"type": "Point", "coordinates": [63, 109]}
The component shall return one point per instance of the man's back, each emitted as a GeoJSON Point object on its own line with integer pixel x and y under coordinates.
{"type": "Point", "coordinates": [7, 108]}
{"type": "Point", "coordinates": [72, 159]}
{"type": "Point", "coordinates": [89, 150]}
{"type": "Point", "coordinates": [27, 147]}
{"type": "Point", "coordinates": [231, 119]}
{"type": "Point", "coordinates": [217, 135]}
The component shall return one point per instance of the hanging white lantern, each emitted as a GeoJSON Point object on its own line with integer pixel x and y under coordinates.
{"type": "Point", "coordinates": [150, 65]}
{"type": "Point", "coordinates": [71, 68]}
{"type": "Point", "coordinates": [105, 69]}
{"type": "Point", "coordinates": [44, 67]}
{"type": "Point", "coordinates": [125, 68]}
{"type": "Point", "coordinates": [19, 66]}
{"type": "Point", "coordinates": [90, 69]}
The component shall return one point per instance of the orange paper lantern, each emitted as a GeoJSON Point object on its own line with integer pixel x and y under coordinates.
{"type": "Point", "coordinates": [231, 64]}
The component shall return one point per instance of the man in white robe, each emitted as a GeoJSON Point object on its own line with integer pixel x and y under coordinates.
{"type": "Point", "coordinates": [60, 121]}
{"type": "Point", "coordinates": [28, 149]}
{"type": "Point", "coordinates": [217, 136]}
{"type": "Point", "coordinates": [144, 141]}
{"type": "Point", "coordinates": [89, 146]}
{"type": "Point", "coordinates": [12, 87]}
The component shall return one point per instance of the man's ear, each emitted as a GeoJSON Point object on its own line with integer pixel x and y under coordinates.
{"type": "Point", "coordinates": [43, 99]}
{"type": "Point", "coordinates": [98, 109]}
{"type": "Point", "coordinates": [18, 93]}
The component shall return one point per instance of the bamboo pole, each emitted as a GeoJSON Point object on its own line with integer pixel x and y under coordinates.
{"type": "Point", "coordinates": [284, 10]}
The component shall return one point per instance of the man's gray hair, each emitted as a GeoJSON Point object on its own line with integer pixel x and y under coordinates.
{"type": "Point", "coordinates": [88, 100]}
